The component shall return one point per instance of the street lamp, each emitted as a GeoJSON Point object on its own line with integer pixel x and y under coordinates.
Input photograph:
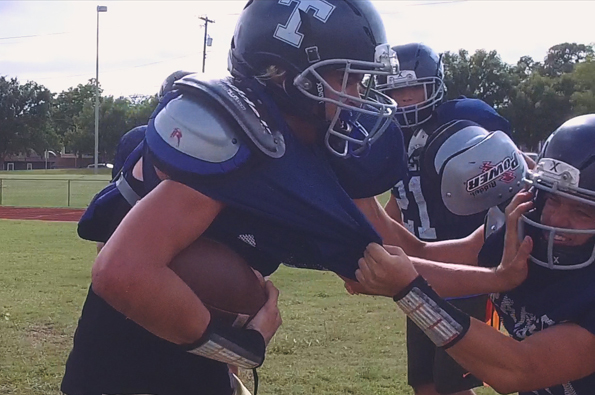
{"type": "Point", "coordinates": [100, 8]}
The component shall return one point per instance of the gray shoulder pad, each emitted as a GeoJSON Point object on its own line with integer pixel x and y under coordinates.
{"type": "Point", "coordinates": [241, 108]}
{"type": "Point", "coordinates": [487, 173]}
{"type": "Point", "coordinates": [194, 128]}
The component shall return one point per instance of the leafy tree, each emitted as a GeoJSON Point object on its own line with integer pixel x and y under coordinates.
{"type": "Point", "coordinates": [25, 122]}
{"type": "Point", "coordinates": [524, 68]}
{"type": "Point", "coordinates": [583, 98]}
{"type": "Point", "coordinates": [482, 75]}
{"type": "Point", "coordinates": [68, 105]}
{"type": "Point", "coordinates": [561, 58]}
{"type": "Point", "coordinates": [537, 106]}
{"type": "Point", "coordinates": [140, 110]}
{"type": "Point", "coordinates": [116, 117]}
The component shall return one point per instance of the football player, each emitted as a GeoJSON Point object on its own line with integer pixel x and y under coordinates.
{"type": "Point", "coordinates": [550, 313]}
{"type": "Point", "coordinates": [420, 91]}
{"type": "Point", "coordinates": [243, 160]}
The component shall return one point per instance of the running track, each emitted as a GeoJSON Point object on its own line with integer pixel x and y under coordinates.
{"type": "Point", "coordinates": [42, 214]}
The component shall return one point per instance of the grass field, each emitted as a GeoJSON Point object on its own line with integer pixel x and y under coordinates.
{"type": "Point", "coordinates": [330, 342]}
{"type": "Point", "coordinates": [51, 188]}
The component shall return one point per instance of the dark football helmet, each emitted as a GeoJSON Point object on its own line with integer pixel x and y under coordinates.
{"type": "Point", "coordinates": [304, 39]}
{"type": "Point", "coordinates": [566, 168]}
{"type": "Point", "coordinates": [168, 84]}
{"type": "Point", "coordinates": [419, 66]}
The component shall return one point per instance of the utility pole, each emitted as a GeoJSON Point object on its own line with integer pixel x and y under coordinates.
{"type": "Point", "coordinates": [204, 48]}
{"type": "Point", "coordinates": [100, 8]}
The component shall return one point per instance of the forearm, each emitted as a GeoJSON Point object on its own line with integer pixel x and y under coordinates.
{"type": "Point", "coordinates": [454, 280]}
{"type": "Point", "coordinates": [463, 251]}
{"type": "Point", "coordinates": [485, 352]}
{"type": "Point", "coordinates": [159, 301]}
{"type": "Point", "coordinates": [495, 358]}
{"type": "Point", "coordinates": [131, 272]}
{"type": "Point", "coordinates": [391, 231]}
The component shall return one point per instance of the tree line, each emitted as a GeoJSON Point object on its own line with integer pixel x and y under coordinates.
{"type": "Point", "coordinates": [535, 96]}
{"type": "Point", "coordinates": [34, 119]}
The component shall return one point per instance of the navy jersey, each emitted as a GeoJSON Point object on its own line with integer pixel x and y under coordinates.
{"type": "Point", "coordinates": [289, 210]}
{"type": "Point", "coordinates": [378, 169]}
{"type": "Point", "coordinates": [424, 213]}
{"type": "Point", "coordinates": [546, 298]}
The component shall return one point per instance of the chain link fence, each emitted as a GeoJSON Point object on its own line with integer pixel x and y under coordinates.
{"type": "Point", "coordinates": [49, 192]}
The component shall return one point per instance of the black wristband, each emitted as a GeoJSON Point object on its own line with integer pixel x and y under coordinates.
{"type": "Point", "coordinates": [236, 346]}
{"type": "Point", "coordinates": [443, 323]}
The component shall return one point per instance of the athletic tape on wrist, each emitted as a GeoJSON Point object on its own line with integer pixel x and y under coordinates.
{"type": "Point", "coordinates": [443, 323]}
{"type": "Point", "coordinates": [235, 346]}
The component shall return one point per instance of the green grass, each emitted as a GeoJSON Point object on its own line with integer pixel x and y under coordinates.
{"type": "Point", "coordinates": [330, 342]}
{"type": "Point", "coordinates": [51, 188]}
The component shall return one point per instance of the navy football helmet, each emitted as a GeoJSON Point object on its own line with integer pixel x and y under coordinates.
{"type": "Point", "coordinates": [168, 84]}
{"type": "Point", "coordinates": [566, 168]}
{"type": "Point", "coordinates": [419, 66]}
{"type": "Point", "coordinates": [304, 39]}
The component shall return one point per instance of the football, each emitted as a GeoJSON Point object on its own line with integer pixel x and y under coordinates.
{"type": "Point", "coordinates": [223, 281]}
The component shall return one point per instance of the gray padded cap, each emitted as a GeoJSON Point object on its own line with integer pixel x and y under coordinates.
{"type": "Point", "coordinates": [478, 170]}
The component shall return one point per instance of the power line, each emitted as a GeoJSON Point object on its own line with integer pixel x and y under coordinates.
{"type": "Point", "coordinates": [107, 71]}
{"type": "Point", "coordinates": [32, 36]}
{"type": "Point", "coordinates": [437, 2]}
{"type": "Point", "coordinates": [421, 4]}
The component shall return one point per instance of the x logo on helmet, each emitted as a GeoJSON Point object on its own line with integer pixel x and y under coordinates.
{"type": "Point", "coordinates": [554, 166]}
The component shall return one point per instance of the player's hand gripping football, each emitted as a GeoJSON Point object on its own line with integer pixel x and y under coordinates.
{"type": "Point", "coordinates": [513, 268]}
{"type": "Point", "coordinates": [268, 318]}
{"type": "Point", "coordinates": [384, 270]}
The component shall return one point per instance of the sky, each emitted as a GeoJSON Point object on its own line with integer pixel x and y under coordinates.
{"type": "Point", "coordinates": [141, 42]}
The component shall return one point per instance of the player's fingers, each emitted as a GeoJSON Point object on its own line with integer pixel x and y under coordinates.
{"type": "Point", "coordinates": [261, 279]}
{"type": "Point", "coordinates": [377, 252]}
{"type": "Point", "coordinates": [373, 271]}
{"type": "Point", "coordinates": [398, 251]}
{"type": "Point", "coordinates": [272, 293]}
{"type": "Point", "coordinates": [360, 277]}
{"type": "Point", "coordinates": [520, 210]}
{"type": "Point", "coordinates": [392, 249]}
{"type": "Point", "coordinates": [512, 221]}
{"type": "Point", "coordinates": [525, 249]}
{"type": "Point", "coordinates": [519, 198]}
{"type": "Point", "coordinates": [365, 269]}
{"type": "Point", "coordinates": [368, 258]}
